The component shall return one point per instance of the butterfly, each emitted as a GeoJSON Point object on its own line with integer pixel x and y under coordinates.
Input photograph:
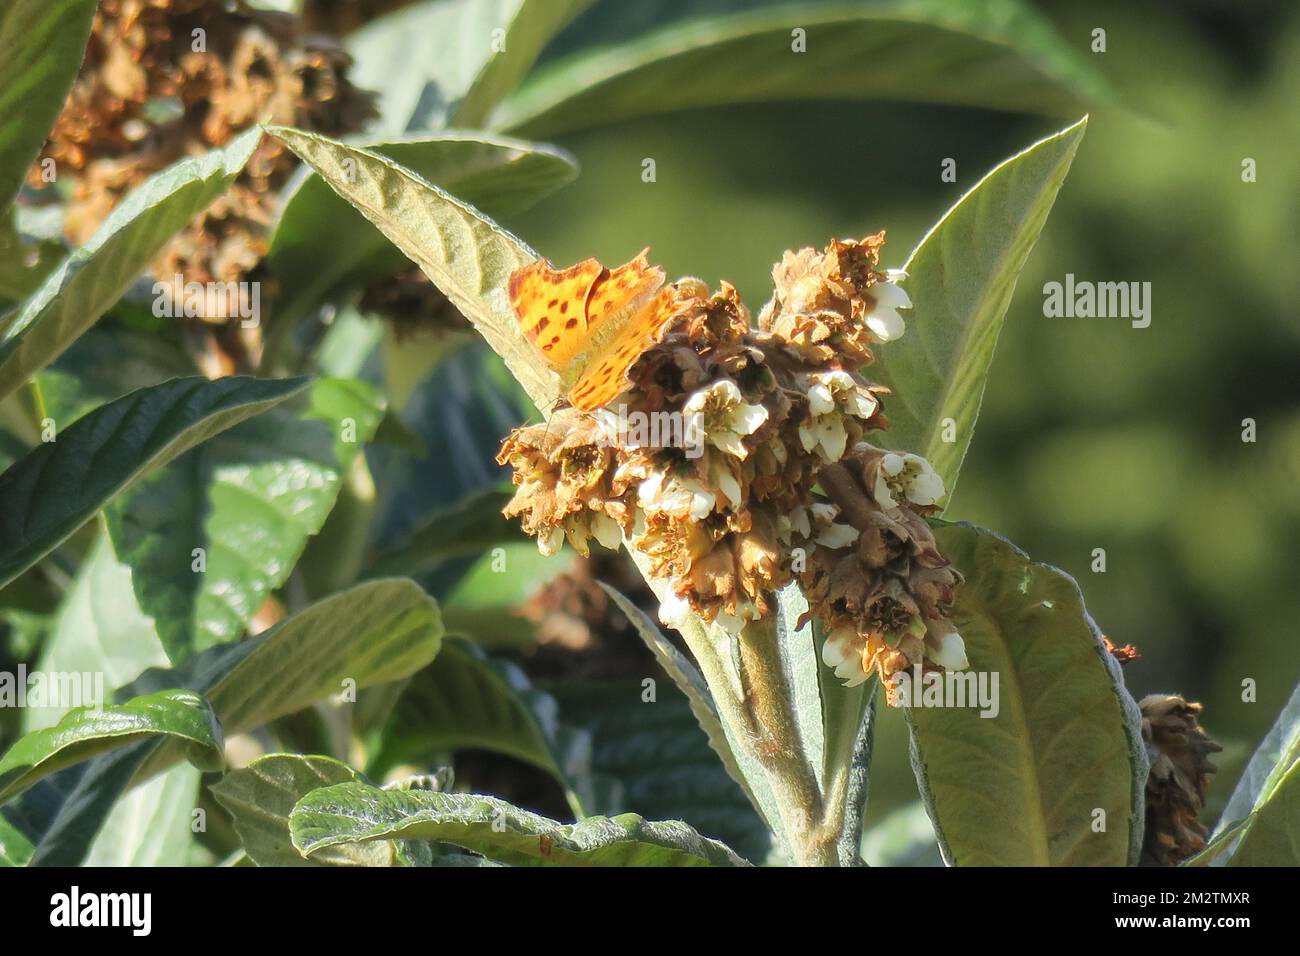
{"type": "Point", "coordinates": [590, 323]}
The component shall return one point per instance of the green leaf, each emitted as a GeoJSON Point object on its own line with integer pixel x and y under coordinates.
{"type": "Point", "coordinates": [1271, 836]}
{"type": "Point", "coordinates": [1260, 785]}
{"type": "Point", "coordinates": [80, 381]}
{"type": "Point", "coordinates": [41, 45]}
{"type": "Point", "coordinates": [24, 264]}
{"type": "Point", "coordinates": [452, 73]}
{"type": "Point", "coordinates": [95, 276]}
{"type": "Point", "coordinates": [87, 732]}
{"type": "Point", "coordinates": [485, 602]}
{"type": "Point", "coordinates": [998, 54]}
{"type": "Point", "coordinates": [528, 25]}
{"type": "Point", "coordinates": [260, 796]}
{"type": "Point", "coordinates": [467, 528]}
{"type": "Point", "coordinates": [961, 278]}
{"type": "Point", "coordinates": [1020, 788]}
{"type": "Point", "coordinates": [372, 634]}
{"type": "Point", "coordinates": [322, 245]}
{"type": "Point", "coordinates": [735, 759]}
{"type": "Point", "coordinates": [836, 723]}
{"type": "Point", "coordinates": [464, 700]}
{"type": "Point", "coordinates": [99, 625]}
{"type": "Point", "coordinates": [350, 812]}
{"type": "Point", "coordinates": [250, 499]}
{"type": "Point", "coordinates": [1277, 754]}
{"type": "Point", "coordinates": [152, 825]}
{"type": "Point", "coordinates": [466, 255]}
{"type": "Point", "coordinates": [653, 756]}
{"type": "Point", "coordinates": [55, 489]}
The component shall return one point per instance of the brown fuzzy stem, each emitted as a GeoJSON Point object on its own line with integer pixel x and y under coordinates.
{"type": "Point", "coordinates": [838, 482]}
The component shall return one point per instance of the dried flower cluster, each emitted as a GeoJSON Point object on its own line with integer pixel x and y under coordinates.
{"type": "Point", "coordinates": [769, 477]}
{"type": "Point", "coordinates": [1180, 776]}
{"type": "Point", "coordinates": [165, 79]}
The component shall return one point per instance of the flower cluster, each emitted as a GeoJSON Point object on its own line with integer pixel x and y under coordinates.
{"type": "Point", "coordinates": [875, 576]}
{"type": "Point", "coordinates": [741, 505]}
{"type": "Point", "coordinates": [1179, 750]}
{"type": "Point", "coordinates": [165, 79]}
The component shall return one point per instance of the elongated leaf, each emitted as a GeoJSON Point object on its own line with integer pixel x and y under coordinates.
{"type": "Point", "coordinates": [803, 675]}
{"type": "Point", "coordinates": [321, 244]}
{"type": "Point", "coordinates": [961, 278]}
{"type": "Point", "coordinates": [87, 732]}
{"type": "Point", "coordinates": [99, 625]}
{"type": "Point", "coordinates": [459, 57]}
{"type": "Point", "coordinates": [464, 700]}
{"type": "Point", "coordinates": [1023, 787]}
{"type": "Point", "coordinates": [94, 277]}
{"type": "Point", "coordinates": [526, 26]}
{"type": "Point", "coordinates": [372, 634]}
{"type": "Point", "coordinates": [41, 45]}
{"type": "Point", "coordinates": [1276, 755]}
{"type": "Point", "coordinates": [468, 257]}
{"type": "Point", "coordinates": [1271, 836]}
{"type": "Point", "coordinates": [260, 796]}
{"type": "Point", "coordinates": [1260, 784]}
{"type": "Point", "coordinates": [650, 755]}
{"type": "Point", "coordinates": [987, 53]}
{"type": "Point", "coordinates": [350, 812]}
{"type": "Point", "coordinates": [735, 759]}
{"type": "Point", "coordinates": [249, 499]}
{"type": "Point", "coordinates": [152, 825]}
{"type": "Point", "coordinates": [467, 528]}
{"type": "Point", "coordinates": [55, 489]}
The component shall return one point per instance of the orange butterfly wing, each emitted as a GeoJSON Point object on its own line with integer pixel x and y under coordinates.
{"type": "Point", "coordinates": [551, 305]}
{"type": "Point", "coordinates": [622, 313]}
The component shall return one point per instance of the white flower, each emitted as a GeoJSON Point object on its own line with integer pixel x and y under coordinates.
{"type": "Point", "coordinates": [674, 611]}
{"type": "Point", "coordinates": [679, 497]}
{"type": "Point", "coordinates": [883, 319]}
{"type": "Point", "coordinates": [724, 416]}
{"type": "Point", "coordinates": [722, 478]}
{"type": "Point", "coordinates": [837, 536]}
{"type": "Point", "coordinates": [831, 396]}
{"type": "Point", "coordinates": [909, 476]}
{"type": "Point", "coordinates": [947, 650]}
{"type": "Point", "coordinates": [606, 530]}
{"type": "Point", "coordinates": [549, 543]}
{"type": "Point", "coordinates": [733, 623]}
{"type": "Point", "coordinates": [843, 652]}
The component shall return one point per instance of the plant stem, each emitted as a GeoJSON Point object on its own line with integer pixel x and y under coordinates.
{"type": "Point", "coordinates": [779, 746]}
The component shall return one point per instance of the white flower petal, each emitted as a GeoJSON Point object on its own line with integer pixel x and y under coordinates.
{"type": "Point", "coordinates": [549, 543]}
{"type": "Point", "coordinates": [702, 503]}
{"type": "Point", "coordinates": [860, 404]}
{"type": "Point", "coordinates": [820, 400]}
{"type": "Point", "coordinates": [950, 651]}
{"type": "Point", "coordinates": [674, 610]}
{"type": "Point", "coordinates": [886, 324]}
{"type": "Point", "coordinates": [749, 418]}
{"type": "Point", "coordinates": [832, 437]}
{"type": "Point", "coordinates": [607, 531]}
{"type": "Point", "coordinates": [730, 443]}
{"type": "Point", "coordinates": [890, 296]}
{"type": "Point", "coordinates": [838, 536]}
{"type": "Point", "coordinates": [726, 482]}
{"type": "Point", "coordinates": [882, 494]}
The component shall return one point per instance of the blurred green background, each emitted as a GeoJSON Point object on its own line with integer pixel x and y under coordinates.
{"type": "Point", "coordinates": [1093, 434]}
